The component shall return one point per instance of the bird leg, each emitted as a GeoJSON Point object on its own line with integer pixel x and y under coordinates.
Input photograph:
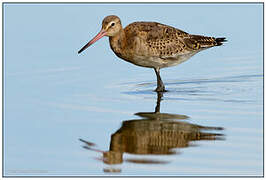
{"type": "Point", "coordinates": [160, 85]}
{"type": "Point", "coordinates": [158, 103]}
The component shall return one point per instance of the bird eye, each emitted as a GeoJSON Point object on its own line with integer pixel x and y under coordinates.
{"type": "Point", "coordinates": [113, 24]}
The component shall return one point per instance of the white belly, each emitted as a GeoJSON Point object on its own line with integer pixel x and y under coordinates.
{"type": "Point", "coordinates": [157, 62]}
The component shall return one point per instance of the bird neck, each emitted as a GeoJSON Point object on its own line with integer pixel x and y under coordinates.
{"type": "Point", "coordinates": [118, 42]}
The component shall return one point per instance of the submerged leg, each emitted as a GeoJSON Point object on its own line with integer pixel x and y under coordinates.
{"type": "Point", "coordinates": [160, 85]}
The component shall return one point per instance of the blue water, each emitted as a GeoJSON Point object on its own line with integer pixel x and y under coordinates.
{"type": "Point", "coordinates": [53, 97]}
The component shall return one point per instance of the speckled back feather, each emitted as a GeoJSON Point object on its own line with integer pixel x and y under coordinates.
{"type": "Point", "coordinates": [166, 41]}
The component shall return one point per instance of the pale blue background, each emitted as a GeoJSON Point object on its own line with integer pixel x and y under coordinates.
{"type": "Point", "coordinates": [53, 96]}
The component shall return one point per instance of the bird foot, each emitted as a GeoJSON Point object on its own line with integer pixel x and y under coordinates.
{"type": "Point", "coordinates": [160, 89]}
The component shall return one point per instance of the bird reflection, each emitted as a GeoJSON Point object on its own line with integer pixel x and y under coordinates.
{"type": "Point", "coordinates": [154, 134]}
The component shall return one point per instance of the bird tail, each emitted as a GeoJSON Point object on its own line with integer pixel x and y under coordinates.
{"type": "Point", "coordinates": [220, 41]}
{"type": "Point", "coordinates": [201, 42]}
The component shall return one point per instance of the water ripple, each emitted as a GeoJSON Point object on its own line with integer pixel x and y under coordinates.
{"type": "Point", "coordinates": [233, 89]}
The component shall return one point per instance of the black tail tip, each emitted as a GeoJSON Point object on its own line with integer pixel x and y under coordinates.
{"type": "Point", "coordinates": [219, 41]}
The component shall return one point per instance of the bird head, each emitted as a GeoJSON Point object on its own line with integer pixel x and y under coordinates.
{"type": "Point", "coordinates": [111, 26]}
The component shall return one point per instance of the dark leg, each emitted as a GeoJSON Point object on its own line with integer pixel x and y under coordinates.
{"type": "Point", "coordinates": [160, 85]}
{"type": "Point", "coordinates": [159, 98]}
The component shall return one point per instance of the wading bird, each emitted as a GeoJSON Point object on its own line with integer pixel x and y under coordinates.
{"type": "Point", "coordinates": [151, 44]}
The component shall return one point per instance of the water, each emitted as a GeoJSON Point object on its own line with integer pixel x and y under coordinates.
{"type": "Point", "coordinates": [93, 114]}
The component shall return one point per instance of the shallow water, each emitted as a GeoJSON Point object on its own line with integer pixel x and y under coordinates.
{"type": "Point", "coordinates": [92, 114]}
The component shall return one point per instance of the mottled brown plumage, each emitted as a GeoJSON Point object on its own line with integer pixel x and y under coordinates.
{"type": "Point", "coordinates": [151, 44]}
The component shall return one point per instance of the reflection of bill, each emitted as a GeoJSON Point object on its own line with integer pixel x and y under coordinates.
{"type": "Point", "coordinates": [154, 134]}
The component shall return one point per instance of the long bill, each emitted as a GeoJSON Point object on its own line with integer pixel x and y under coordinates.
{"type": "Point", "coordinates": [96, 38]}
